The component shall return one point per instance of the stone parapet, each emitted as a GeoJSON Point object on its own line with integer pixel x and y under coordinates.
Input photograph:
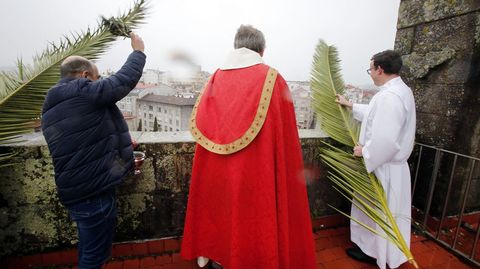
{"type": "Point", "coordinates": [151, 205]}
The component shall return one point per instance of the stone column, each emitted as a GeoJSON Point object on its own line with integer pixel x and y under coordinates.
{"type": "Point", "coordinates": [439, 41]}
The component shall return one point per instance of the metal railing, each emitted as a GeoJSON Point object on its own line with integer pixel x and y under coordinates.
{"type": "Point", "coordinates": [445, 167]}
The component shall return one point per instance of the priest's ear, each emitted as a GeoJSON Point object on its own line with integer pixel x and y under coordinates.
{"type": "Point", "coordinates": [261, 53]}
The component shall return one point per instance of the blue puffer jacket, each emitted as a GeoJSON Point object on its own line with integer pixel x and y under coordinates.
{"type": "Point", "coordinates": [86, 133]}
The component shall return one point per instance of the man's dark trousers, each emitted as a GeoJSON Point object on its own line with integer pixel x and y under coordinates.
{"type": "Point", "coordinates": [96, 220]}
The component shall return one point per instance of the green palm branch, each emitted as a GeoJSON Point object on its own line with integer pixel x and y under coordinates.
{"type": "Point", "coordinates": [22, 93]}
{"type": "Point", "coordinates": [348, 173]}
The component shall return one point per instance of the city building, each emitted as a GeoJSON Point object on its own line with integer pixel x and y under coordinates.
{"type": "Point", "coordinates": [128, 105]}
{"type": "Point", "coordinates": [359, 95]}
{"type": "Point", "coordinates": [302, 101]}
{"type": "Point", "coordinates": [164, 113]}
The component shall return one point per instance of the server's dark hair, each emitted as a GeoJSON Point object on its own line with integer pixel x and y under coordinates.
{"type": "Point", "coordinates": [390, 61]}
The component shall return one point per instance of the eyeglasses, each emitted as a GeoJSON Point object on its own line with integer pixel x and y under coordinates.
{"type": "Point", "coordinates": [369, 70]}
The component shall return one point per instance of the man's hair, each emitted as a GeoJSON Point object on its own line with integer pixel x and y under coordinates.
{"type": "Point", "coordinates": [74, 65]}
{"type": "Point", "coordinates": [389, 60]}
{"type": "Point", "coordinates": [250, 38]}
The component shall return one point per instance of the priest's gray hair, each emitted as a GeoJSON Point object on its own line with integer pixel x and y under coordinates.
{"type": "Point", "coordinates": [249, 37]}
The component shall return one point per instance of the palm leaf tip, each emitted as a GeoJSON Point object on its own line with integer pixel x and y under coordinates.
{"type": "Point", "coordinates": [22, 93]}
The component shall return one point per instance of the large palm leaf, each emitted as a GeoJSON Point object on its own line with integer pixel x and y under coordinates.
{"type": "Point", "coordinates": [348, 173]}
{"type": "Point", "coordinates": [22, 93]}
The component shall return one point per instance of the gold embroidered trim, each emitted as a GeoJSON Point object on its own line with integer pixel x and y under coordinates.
{"type": "Point", "coordinates": [251, 132]}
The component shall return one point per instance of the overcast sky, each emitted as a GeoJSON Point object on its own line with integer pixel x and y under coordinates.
{"type": "Point", "coordinates": [205, 30]}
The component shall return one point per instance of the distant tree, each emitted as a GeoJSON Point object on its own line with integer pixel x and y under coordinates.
{"type": "Point", "coordinates": [155, 125]}
{"type": "Point", "coordinates": [139, 125]}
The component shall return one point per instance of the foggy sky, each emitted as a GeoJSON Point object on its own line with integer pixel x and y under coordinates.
{"type": "Point", "coordinates": [205, 29]}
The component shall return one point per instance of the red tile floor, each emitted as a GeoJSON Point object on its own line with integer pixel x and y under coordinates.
{"type": "Point", "coordinates": [164, 254]}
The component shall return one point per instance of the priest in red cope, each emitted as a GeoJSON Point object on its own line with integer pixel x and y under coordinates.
{"type": "Point", "coordinates": [247, 206]}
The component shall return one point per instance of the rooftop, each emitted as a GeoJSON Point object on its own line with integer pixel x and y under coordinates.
{"type": "Point", "coordinates": [171, 100]}
{"type": "Point", "coordinates": [164, 253]}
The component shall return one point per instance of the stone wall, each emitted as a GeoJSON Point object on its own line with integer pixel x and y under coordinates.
{"type": "Point", "coordinates": [440, 44]}
{"type": "Point", "coordinates": [151, 205]}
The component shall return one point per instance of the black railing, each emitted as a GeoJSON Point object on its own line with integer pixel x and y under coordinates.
{"type": "Point", "coordinates": [442, 186]}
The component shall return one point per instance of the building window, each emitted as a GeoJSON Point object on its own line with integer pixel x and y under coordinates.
{"type": "Point", "coordinates": [150, 108]}
{"type": "Point", "coordinates": [160, 109]}
{"type": "Point", "coordinates": [165, 111]}
{"type": "Point", "coordinates": [170, 121]}
{"type": "Point", "coordinates": [165, 128]}
{"type": "Point", "coordinates": [150, 116]}
{"type": "Point", "coordinates": [177, 122]}
{"type": "Point", "coordinates": [144, 115]}
{"type": "Point", "coordinates": [171, 129]}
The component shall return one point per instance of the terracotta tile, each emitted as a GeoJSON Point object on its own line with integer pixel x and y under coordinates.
{"type": "Point", "coordinates": [357, 264]}
{"type": "Point", "coordinates": [323, 243]}
{"type": "Point", "coordinates": [339, 264]}
{"type": "Point", "coordinates": [324, 256]}
{"type": "Point", "coordinates": [339, 252]}
{"type": "Point", "coordinates": [171, 266]}
{"type": "Point", "coordinates": [418, 247]}
{"type": "Point", "coordinates": [122, 250]}
{"type": "Point", "coordinates": [339, 241]}
{"type": "Point", "coordinates": [156, 246]}
{"type": "Point", "coordinates": [114, 265]}
{"type": "Point", "coordinates": [147, 262]}
{"type": "Point", "coordinates": [433, 258]}
{"type": "Point", "coordinates": [131, 264]}
{"type": "Point", "coordinates": [432, 245]}
{"type": "Point", "coordinates": [172, 245]}
{"type": "Point", "coordinates": [140, 249]}
{"type": "Point", "coordinates": [176, 258]}
{"type": "Point", "coordinates": [185, 265]}
{"type": "Point", "coordinates": [164, 259]}
{"type": "Point", "coordinates": [69, 256]}
{"type": "Point", "coordinates": [457, 265]}
{"type": "Point", "coordinates": [417, 238]}
{"type": "Point", "coordinates": [52, 258]}
{"type": "Point", "coordinates": [325, 233]}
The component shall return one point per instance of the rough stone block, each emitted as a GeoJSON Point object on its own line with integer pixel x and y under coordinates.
{"type": "Point", "coordinates": [438, 130]}
{"type": "Point", "coordinates": [456, 33]}
{"type": "Point", "coordinates": [439, 99]}
{"type": "Point", "coordinates": [435, 68]}
{"type": "Point", "coordinates": [404, 40]}
{"type": "Point", "coordinates": [413, 12]}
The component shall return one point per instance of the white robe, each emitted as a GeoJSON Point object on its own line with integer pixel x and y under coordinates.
{"type": "Point", "coordinates": [387, 135]}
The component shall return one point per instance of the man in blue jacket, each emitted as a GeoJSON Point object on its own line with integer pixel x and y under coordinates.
{"type": "Point", "coordinates": [91, 147]}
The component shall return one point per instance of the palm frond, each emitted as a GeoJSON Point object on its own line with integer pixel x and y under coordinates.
{"type": "Point", "coordinates": [22, 93]}
{"type": "Point", "coordinates": [348, 173]}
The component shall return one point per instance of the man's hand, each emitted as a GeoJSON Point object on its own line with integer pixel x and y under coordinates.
{"type": "Point", "coordinates": [134, 144]}
{"type": "Point", "coordinates": [357, 151]}
{"type": "Point", "coordinates": [342, 101]}
{"type": "Point", "coordinates": [137, 42]}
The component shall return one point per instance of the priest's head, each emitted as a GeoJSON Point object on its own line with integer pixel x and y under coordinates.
{"type": "Point", "coordinates": [384, 66]}
{"type": "Point", "coordinates": [251, 38]}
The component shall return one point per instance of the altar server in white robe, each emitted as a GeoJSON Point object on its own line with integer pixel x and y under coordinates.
{"type": "Point", "coordinates": [386, 140]}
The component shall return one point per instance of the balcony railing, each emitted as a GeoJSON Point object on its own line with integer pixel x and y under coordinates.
{"type": "Point", "coordinates": [445, 201]}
